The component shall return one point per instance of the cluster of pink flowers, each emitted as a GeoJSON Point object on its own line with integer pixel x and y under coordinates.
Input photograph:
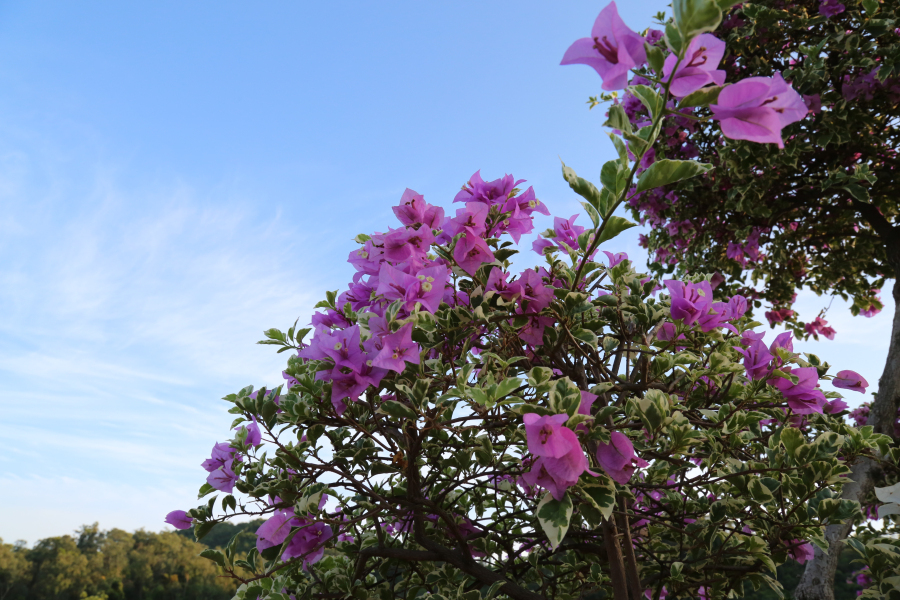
{"type": "Point", "coordinates": [862, 578]}
{"type": "Point", "coordinates": [819, 326]}
{"type": "Point", "coordinates": [397, 267]}
{"type": "Point", "coordinates": [803, 397]}
{"type": "Point", "coordinates": [309, 541]}
{"type": "Point", "coordinates": [558, 459]}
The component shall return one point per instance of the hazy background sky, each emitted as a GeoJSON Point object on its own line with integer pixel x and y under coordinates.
{"type": "Point", "coordinates": [177, 177]}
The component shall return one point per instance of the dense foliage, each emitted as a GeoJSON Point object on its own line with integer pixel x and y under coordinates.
{"type": "Point", "coordinates": [117, 565]}
{"type": "Point", "coordinates": [819, 213]}
{"type": "Point", "coordinates": [460, 427]}
{"type": "Point", "coordinates": [816, 209]}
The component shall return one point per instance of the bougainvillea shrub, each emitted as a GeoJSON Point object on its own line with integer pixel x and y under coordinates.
{"type": "Point", "coordinates": [471, 418]}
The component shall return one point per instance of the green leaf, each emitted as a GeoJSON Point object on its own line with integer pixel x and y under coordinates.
{"type": "Point", "coordinates": [694, 17]}
{"type": "Point", "coordinates": [506, 387]}
{"type": "Point", "coordinates": [609, 177]}
{"type": "Point", "coordinates": [614, 226]}
{"type": "Point", "coordinates": [620, 148]}
{"type": "Point", "coordinates": [214, 555]}
{"type": "Point", "coordinates": [585, 189]}
{"type": "Point", "coordinates": [601, 493]}
{"type": "Point", "coordinates": [702, 97]}
{"type": "Point", "coordinates": [492, 591]}
{"type": "Point", "coordinates": [396, 409]}
{"type": "Point", "coordinates": [205, 489]}
{"type": "Point", "coordinates": [871, 6]}
{"type": "Point", "coordinates": [673, 38]}
{"type": "Point", "coordinates": [554, 516]}
{"type": "Point", "coordinates": [649, 98]}
{"type": "Point", "coordinates": [618, 119]}
{"type": "Point", "coordinates": [565, 397]}
{"type": "Point", "coordinates": [201, 529]}
{"type": "Point", "coordinates": [665, 171]}
{"type": "Point", "coordinates": [792, 439]}
{"type": "Point", "coordinates": [587, 336]}
{"type": "Point", "coordinates": [760, 492]}
{"type": "Point", "coordinates": [656, 57]}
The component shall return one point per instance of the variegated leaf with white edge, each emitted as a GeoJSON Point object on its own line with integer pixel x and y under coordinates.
{"type": "Point", "coordinates": [601, 492]}
{"type": "Point", "coordinates": [885, 510]}
{"type": "Point", "coordinates": [889, 494]}
{"type": "Point", "coordinates": [554, 517]}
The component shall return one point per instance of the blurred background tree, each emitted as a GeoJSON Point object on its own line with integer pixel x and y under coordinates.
{"type": "Point", "coordinates": [116, 565]}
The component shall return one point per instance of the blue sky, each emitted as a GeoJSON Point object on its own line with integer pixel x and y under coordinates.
{"type": "Point", "coordinates": [177, 177]}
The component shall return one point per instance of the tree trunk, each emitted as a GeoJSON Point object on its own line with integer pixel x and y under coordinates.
{"type": "Point", "coordinates": [817, 582]}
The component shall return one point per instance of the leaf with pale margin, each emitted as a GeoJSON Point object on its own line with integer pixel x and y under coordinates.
{"type": "Point", "coordinates": [396, 409]}
{"type": "Point", "coordinates": [702, 97]}
{"type": "Point", "coordinates": [649, 98]}
{"type": "Point", "coordinates": [673, 38]}
{"type": "Point", "coordinates": [792, 439]}
{"type": "Point", "coordinates": [620, 148]}
{"type": "Point", "coordinates": [656, 57]}
{"type": "Point", "coordinates": [554, 517]}
{"type": "Point", "coordinates": [665, 171]}
{"type": "Point", "coordinates": [585, 189]}
{"type": "Point", "coordinates": [609, 177]}
{"type": "Point", "coordinates": [614, 226]}
{"type": "Point", "coordinates": [601, 492]}
{"type": "Point", "coordinates": [886, 510]}
{"type": "Point", "coordinates": [618, 119]}
{"type": "Point", "coordinates": [888, 494]}
{"type": "Point", "coordinates": [694, 17]}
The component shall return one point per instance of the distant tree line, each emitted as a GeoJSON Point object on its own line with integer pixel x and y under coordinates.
{"type": "Point", "coordinates": [117, 565]}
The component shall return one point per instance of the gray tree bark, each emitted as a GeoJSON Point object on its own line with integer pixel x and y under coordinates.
{"type": "Point", "coordinates": [817, 582]}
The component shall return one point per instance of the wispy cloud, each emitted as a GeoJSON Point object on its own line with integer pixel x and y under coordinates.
{"type": "Point", "coordinates": [128, 319]}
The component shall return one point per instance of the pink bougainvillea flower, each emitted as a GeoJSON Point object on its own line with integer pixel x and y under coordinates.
{"type": "Point", "coordinates": [428, 288]}
{"type": "Point", "coordinates": [471, 252]}
{"type": "Point", "coordinates": [690, 301]}
{"type": "Point", "coordinates": [567, 232]}
{"type": "Point", "coordinates": [487, 192]}
{"type": "Point", "coordinates": [801, 551]}
{"type": "Point", "coordinates": [612, 50]}
{"type": "Point", "coordinates": [413, 209]}
{"type": "Point", "coordinates": [533, 331]}
{"type": "Point", "coordinates": [473, 216]}
{"type": "Point", "coordinates": [803, 397]}
{"type": "Point", "coordinates": [587, 400]}
{"type": "Point", "coordinates": [835, 406]}
{"type": "Point", "coordinates": [343, 348]}
{"type": "Point", "coordinates": [408, 244]}
{"type": "Point", "coordinates": [850, 380]}
{"type": "Point", "coordinates": [737, 307]}
{"type": "Point", "coordinates": [756, 109]}
{"type": "Point", "coordinates": [254, 436]}
{"type": "Point", "coordinates": [698, 67]}
{"type": "Point", "coordinates": [756, 359]}
{"type": "Point", "coordinates": [556, 475]}
{"type": "Point", "coordinates": [179, 519]}
{"type": "Point", "coordinates": [538, 295]}
{"type": "Point", "coordinates": [398, 350]}
{"type": "Point", "coordinates": [784, 340]}
{"type": "Point", "coordinates": [223, 478]}
{"type": "Point", "coordinates": [547, 436]}
{"type": "Point", "coordinates": [618, 459]}
{"type": "Point", "coordinates": [497, 283]}
{"type": "Point", "coordinates": [830, 8]}
{"type": "Point", "coordinates": [275, 530]}
{"type": "Point", "coordinates": [308, 543]}
{"type": "Point", "coordinates": [222, 454]}
{"type": "Point", "coordinates": [819, 326]}
{"type": "Point", "coordinates": [616, 258]}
